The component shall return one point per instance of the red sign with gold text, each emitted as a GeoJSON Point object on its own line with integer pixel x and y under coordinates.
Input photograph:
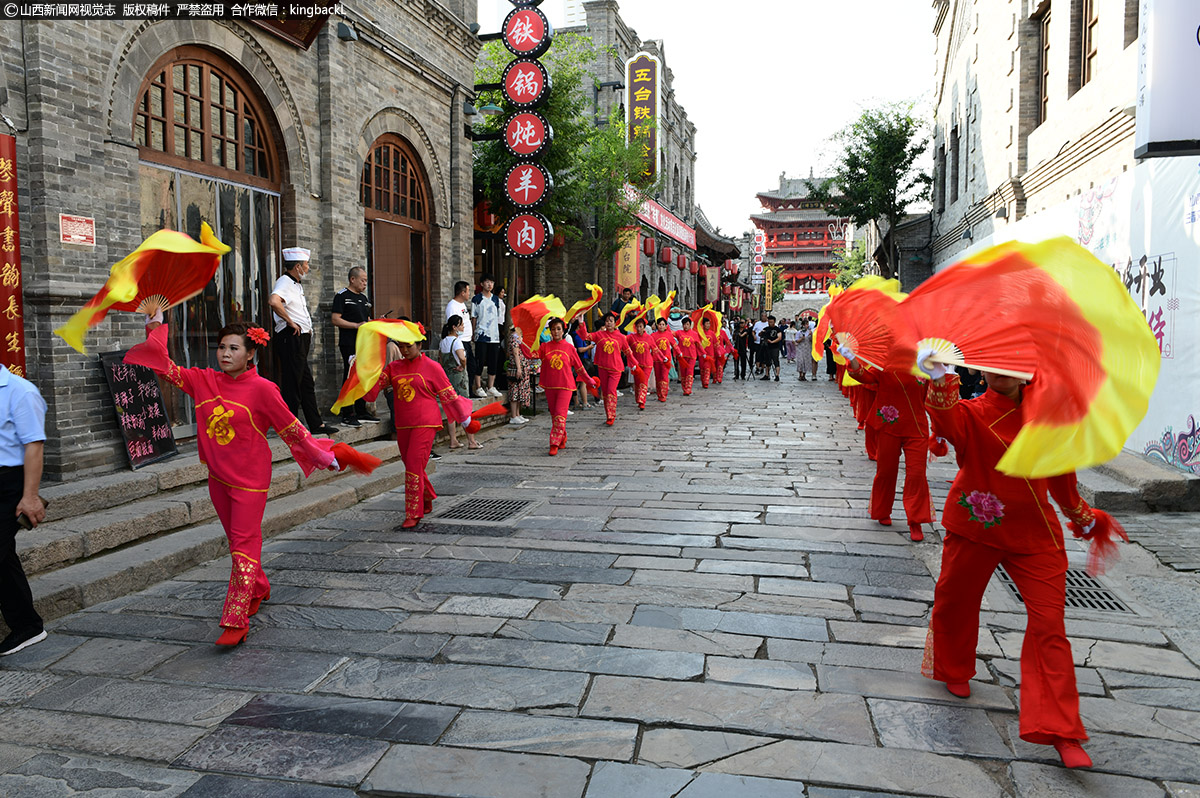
{"type": "Point", "coordinates": [643, 107]}
{"type": "Point", "coordinates": [12, 311]}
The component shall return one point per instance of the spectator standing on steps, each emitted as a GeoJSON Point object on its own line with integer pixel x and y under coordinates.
{"type": "Point", "coordinates": [485, 313]}
{"type": "Point", "coordinates": [293, 340]}
{"type": "Point", "coordinates": [351, 310]}
{"type": "Point", "coordinates": [22, 441]}
{"type": "Point", "coordinates": [459, 306]}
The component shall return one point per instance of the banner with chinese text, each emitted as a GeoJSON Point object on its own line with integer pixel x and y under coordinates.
{"type": "Point", "coordinates": [643, 108]}
{"type": "Point", "coordinates": [628, 265]}
{"type": "Point", "coordinates": [12, 312]}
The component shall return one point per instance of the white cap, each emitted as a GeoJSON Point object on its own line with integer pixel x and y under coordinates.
{"type": "Point", "coordinates": [295, 254]}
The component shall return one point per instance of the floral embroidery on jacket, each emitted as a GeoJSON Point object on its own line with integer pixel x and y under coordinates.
{"type": "Point", "coordinates": [219, 426]}
{"type": "Point", "coordinates": [888, 414]}
{"type": "Point", "coordinates": [982, 507]}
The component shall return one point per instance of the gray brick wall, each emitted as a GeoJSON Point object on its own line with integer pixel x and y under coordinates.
{"type": "Point", "coordinates": [71, 89]}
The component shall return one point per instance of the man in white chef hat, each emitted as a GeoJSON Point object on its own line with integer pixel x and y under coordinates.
{"type": "Point", "coordinates": [293, 339]}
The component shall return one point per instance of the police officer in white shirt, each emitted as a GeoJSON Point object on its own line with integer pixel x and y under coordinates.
{"type": "Point", "coordinates": [293, 339]}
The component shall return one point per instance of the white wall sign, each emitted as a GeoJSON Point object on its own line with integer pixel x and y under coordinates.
{"type": "Point", "coordinates": [1168, 116]}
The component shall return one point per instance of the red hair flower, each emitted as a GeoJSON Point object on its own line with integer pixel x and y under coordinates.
{"type": "Point", "coordinates": [421, 327]}
{"type": "Point", "coordinates": [258, 335]}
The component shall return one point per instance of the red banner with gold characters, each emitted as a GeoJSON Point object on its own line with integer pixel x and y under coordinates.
{"type": "Point", "coordinates": [12, 312]}
{"type": "Point", "coordinates": [628, 265]}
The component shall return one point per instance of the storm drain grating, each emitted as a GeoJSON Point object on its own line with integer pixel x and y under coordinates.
{"type": "Point", "coordinates": [485, 509]}
{"type": "Point", "coordinates": [1083, 592]}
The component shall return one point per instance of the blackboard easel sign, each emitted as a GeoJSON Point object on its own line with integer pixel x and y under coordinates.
{"type": "Point", "coordinates": [141, 411]}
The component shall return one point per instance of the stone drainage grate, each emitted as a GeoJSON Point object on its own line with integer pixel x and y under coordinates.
{"type": "Point", "coordinates": [1083, 592]}
{"type": "Point", "coordinates": [485, 509]}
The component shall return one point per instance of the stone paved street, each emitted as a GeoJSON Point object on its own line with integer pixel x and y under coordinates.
{"type": "Point", "coordinates": [691, 604]}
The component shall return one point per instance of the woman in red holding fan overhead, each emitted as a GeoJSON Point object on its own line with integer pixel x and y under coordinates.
{"type": "Point", "coordinates": [993, 519]}
{"type": "Point", "coordinates": [664, 345]}
{"type": "Point", "coordinates": [561, 367]}
{"type": "Point", "coordinates": [610, 346]}
{"type": "Point", "coordinates": [689, 349]}
{"type": "Point", "coordinates": [642, 347]}
{"type": "Point", "coordinates": [234, 409]}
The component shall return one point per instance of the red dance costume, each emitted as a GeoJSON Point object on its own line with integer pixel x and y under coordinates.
{"type": "Point", "coordinates": [560, 368]}
{"type": "Point", "coordinates": [689, 350]}
{"type": "Point", "coordinates": [722, 351]}
{"type": "Point", "coordinates": [232, 416]}
{"type": "Point", "coordinates": [418, 385]}
{"type": "Point", "coordinates": [897, 414]}
{"type": "Point", "coordinates": [610, 346]}
{"type": "Point", "coordinates": [993, 519]}
{"type": "Point", "coordinates": [642, 347]}
{"type": "Point", "coordinates": [664, 345]}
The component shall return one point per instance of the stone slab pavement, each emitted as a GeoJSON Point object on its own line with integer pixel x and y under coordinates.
{"type": "Point", "coordinates": [691, 604]}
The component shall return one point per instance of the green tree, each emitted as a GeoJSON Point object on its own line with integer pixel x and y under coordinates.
{"type": "Point", "coordinates": [876, 176]}
{"type": "Point", "coordinates": [591, 164]}
{"type": "Point", "coordinates": [848, 267]}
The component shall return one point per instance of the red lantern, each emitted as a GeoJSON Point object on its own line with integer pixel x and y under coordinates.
{"type": "Point", "coordinates": [703, 271]}
{"type": "Point", "coordinates": [666, 255]}
{"type": "Point", "coordinates": [559, 240]}
{"type": "Point", "coordinates": [648, 246]}
{"type": "Point", "coordinates": [727, 289]}
{"type": "Point", "coordinates": [694, 267]}
{"type": "Point", "coordinates": [680, 262]}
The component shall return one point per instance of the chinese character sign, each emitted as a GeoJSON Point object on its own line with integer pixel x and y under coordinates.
{"type": "Point", "coordinates": [526, 84]}
{"type": "Point", "coordinates": [12, 324]}
{"type": "Point", "coordinates": [643, 107]}
{"type": "Point", "coordinates": [527, 184]}
{"type": "Point", "coordinates": [712, 284]}
{"type": "Point", "coordinates": [628, 264]}
{"type": "Point", "coordinates": [527, 234]}
{"type": "Point", "coordinates": [527, 32]}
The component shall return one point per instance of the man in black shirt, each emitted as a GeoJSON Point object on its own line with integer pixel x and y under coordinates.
{"type": "Point", "coordinates": [352, 309]}
{"type": "Point", "coordinates": [741, 343]}
{"type": "Point", "coordinates": [770, 342]}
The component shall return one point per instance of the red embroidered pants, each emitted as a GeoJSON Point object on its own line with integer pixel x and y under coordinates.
{"type": "Point", "coordinates": [415, 445]}
{"type": "Point", "coordinates": [719, 374]}
{"type": "Point", "coordinates": [559, 401]}
{"type": "Point", "coordinates": [917, 507]}
{"type": "Point", "coordinates": [662, 378]}
{"type": "Point", "coordinates": [608, 389]}
{"type": "Point", "coordinates": [641, 388]}
{"type": "Point", "coordinates": [687, 373]}
{"type": "Point", "coordinates": [241, 513]}
{"type": "Point", "coordinates": [1049, 698]}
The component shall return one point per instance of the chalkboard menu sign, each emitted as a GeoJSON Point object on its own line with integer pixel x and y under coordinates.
{"type": "Point", "coordinates": [141, 412]}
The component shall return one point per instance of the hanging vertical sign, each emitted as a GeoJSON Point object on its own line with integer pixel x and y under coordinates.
{"type": "Point", "coordinates": [628, 265]}
{"type": "Point", "coordinates": [769, 290]}
{"type": "Point", "coordinates": [526, 83]}
{"type": "Point", "coordinates": [12, 310]}
{"type": "Point", "coordinates": [527, 234]}
{"type": "Point", "coordinates": [712, 284]}
{"type": "Point", "coordinates": [643, 108]}
{"type": "Point", "coordinates": [527, 31]}
{"type": "Point", "coordinates": [527, 184]}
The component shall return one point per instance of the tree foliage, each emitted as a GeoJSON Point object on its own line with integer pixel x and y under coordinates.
{"type": "Point", "coordinates": [591, 163]}
{"type": "Point", "coordinates": [876, 176]}
{"type": "Point", "coordinates": [848, 267]}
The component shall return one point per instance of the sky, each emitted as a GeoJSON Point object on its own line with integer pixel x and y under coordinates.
{"type": "Point", "coordinates": [767, 82]}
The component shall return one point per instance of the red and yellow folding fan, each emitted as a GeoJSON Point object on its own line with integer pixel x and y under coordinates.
{"type": "Point", "coordinates": [628, 312]}
{"type": "Point", "coordinates": [699, 315]}
{"type": "Point", "coordinates": [865, 322]}
{"type": "Point", "coordinates": [1094, 359]}
{"type": "Point", "coordinates": [662, 310]}
{"type": "Point", "coordinates": [370, 355]}
{"type": "Point", "coordinates": [532, 316]}
{"type": "Point", "coordinates": [167, 268]}
{"type": "Point", "coordinates": [584, 305]}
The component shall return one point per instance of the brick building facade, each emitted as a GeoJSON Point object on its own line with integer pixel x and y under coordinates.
{"type": "Point", "coordinates": [150, 124]}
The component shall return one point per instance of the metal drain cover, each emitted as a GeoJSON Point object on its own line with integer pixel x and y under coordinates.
{"type": "Point", "coordinates": [1083, 592]}
{"type": "Point", "coordinates": [478, 509]}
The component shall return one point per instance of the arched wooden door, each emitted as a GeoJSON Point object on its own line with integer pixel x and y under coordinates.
{"type": "Point", "coordinates": [394, 192]}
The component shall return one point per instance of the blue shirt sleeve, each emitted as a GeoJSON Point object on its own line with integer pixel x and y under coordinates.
{"type": "Point", "coordinates": [29, 417]}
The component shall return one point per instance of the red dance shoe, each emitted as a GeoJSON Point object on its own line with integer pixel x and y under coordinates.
{"type": "Point", "coordinates": [960, 689]}
{"type": "Point", "coordinates": [862, 426]}
{"type": "Point", "coordinates": [641, 406]}
{"type": "Point", "coordinates": [1072, 754]}
{"type": "Point", "coordinates": [409, 523]}
{"type": "Point", "coordinates": [915, 533]}
{"type": "Point", "coordinates": [608, 422]}
{"type": "Point", "coordinates": [553, 450]}
{"type": "Point", "coordinates": [232, 636]}
{"type": "Point", "coordinates": [428, 506]}
{"type": "Point", "coordinates": [885, 522]}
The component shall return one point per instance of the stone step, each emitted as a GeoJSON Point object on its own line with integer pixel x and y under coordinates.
{"type": "Point", "coordinates": [1134, 482]}
{"type": "Point", "coordinates": [69, 540]}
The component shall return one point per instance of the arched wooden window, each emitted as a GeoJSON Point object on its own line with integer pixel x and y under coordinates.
{"type": "Point", "coordinates": [392, 184]}
{"type": "Point", "coordinates": [194, 107]}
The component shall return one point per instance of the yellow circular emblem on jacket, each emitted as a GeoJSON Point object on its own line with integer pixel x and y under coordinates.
{"type": "Point", "coordinates": [219, 427]}
{"type": "Point", "coordinates": [609, 347]}
{"type": "Point", "coordinates": [556, 361]}
{"type": "Point", "coordinates": [405, 390]}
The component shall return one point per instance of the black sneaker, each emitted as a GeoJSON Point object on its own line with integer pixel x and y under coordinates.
{"type": "Point", "coordinates": [16, 641]}
{"type": "Point", "coordinates": [351, 422]}
{"type": "Point", "coordinates": [324, 429]}
{"type": "Point", "coordinates": [776, 378]}
{"type": "Point", "coordinates": [434, 455]}
{"type": "Point", "coordinates": [368, 419]}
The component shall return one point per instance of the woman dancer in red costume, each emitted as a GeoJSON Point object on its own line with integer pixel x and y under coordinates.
{"type": "Point", "coordinates": [234, 408]}
{"type": "Point", "coordinates": [642, 347]}
{"type": "Point", "coordinates": [689, 349]}
{"type": "Point", "coordinates": [561, 368]}
{"type": "Point", "coordinates": [664, 345]}
{"type": "Point", "coordinates": [721, 352]}
{"type": "Point", "coordinates": [610, 346]}
{"type": "Point", "coordinates": [897, 414]}
{"type": "Point", "coordinates": [994, 519]}
{"type": "Point", "coordinates": [418, 384]}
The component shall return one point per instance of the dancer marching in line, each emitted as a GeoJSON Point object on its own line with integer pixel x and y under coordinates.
{"type": "Point", "coordinates": [664, 345]}
{"type": "Point", "coordinates": [897, 414]}
{"type": "Point", "coordinates": [721, 352]}
{"type": "Point", "coordinates": [689, 349]}
{"type": "Point", "coordinates": [610, 346]}
{"type": "Point", "coordinates": [234, 409]}
{"type": "Point", "coordinates": [642, 346]}
{"type": "Point", "coordinates": [561, 368]}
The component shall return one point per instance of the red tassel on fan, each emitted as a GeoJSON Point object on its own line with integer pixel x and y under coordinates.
{"type": "Point", "coordinates": [349, 457]}
{"type": "Point", "coordinates": [1103, 549]}
{"type": "Point", "coordinates": [494, 409]}
{"type": "Point", "coordinates": [593, 387]}
{"type": "Point", "coordinates": [473, 426]}
{"type": "Point", "coordinates": [640, 373]}
{"type": "Point", "coordinates": [938, 446]}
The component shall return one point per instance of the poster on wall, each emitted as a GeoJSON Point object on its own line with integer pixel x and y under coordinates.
{"type": "Point", "coordinates": [1145, 223]}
